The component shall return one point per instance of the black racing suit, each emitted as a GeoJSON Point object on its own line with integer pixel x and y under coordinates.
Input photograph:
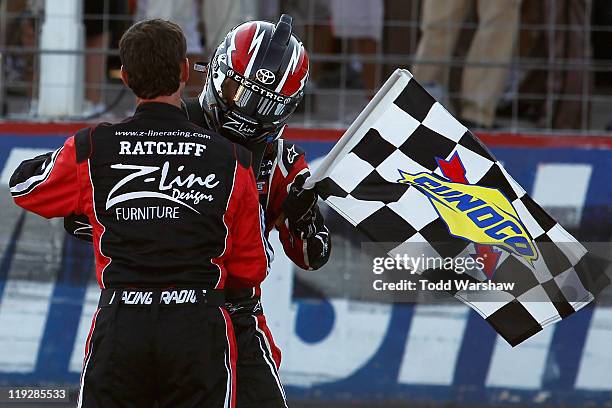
{"type": "Point", "coordinates": [258, 356]}
{"type": "Point", "coordinates": [174, 217]}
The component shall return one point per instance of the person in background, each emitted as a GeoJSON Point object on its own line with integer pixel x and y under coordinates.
{"type": "Point", "coordinates": [19, 74]}
{"type": "Point", "coordinates": [492, 46]}
{"type": "Point", "coordinates": [184, 13]}
{"type": "Point", "coordinates": [570, 83]}
{"type": "Point", "coordinates": [204, 23]}
{"type": "Point", "coordinates": [361, 22]}
{"type": "Point", "coordinates": [100, 18]}
{"type": "Point", "coordinates": [220, 16]}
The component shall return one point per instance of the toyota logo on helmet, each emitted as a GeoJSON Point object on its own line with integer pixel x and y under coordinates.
{"type": "Point", "coordinates": [265, 76]}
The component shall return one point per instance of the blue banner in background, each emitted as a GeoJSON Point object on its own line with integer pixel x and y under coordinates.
{"type": "Point", "coordinates": [334, 348]}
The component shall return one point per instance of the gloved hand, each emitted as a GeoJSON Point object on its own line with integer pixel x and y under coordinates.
{"type": "Point", "coordinates": [299, 209]}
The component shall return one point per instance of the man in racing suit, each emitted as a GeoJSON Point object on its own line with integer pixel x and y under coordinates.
{"type": "Point", "coordinates": [281, 170]}
{"type": "Point", "coordinates": [175, 216]}
{"type": "Point", "coordinates": [254, 82]}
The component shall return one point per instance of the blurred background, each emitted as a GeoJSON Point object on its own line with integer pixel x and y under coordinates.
{"type": "Point", "coordinates": [533, 78]}
{"type": "Point", "coordinates": [511, 64]}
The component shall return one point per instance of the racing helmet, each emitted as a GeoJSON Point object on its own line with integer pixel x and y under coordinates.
{"type": "Point", "coordinates": [255, 81]}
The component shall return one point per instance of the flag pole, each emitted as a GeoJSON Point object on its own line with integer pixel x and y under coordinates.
{"type": "Point", "coordinates": [328, 162]}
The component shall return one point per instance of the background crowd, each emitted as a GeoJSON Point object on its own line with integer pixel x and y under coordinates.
{"type": "Point", "coordinates": [496, 64]}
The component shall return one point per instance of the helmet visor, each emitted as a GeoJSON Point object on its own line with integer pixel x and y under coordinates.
{"type": "Point", "coordinates": [250, 98]}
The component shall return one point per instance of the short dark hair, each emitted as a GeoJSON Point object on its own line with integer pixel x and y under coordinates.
{"type": "Point", "coordinates": [151, 53]}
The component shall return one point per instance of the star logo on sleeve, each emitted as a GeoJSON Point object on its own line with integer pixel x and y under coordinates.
{"type": "Point", "coordinates": [291, 154]}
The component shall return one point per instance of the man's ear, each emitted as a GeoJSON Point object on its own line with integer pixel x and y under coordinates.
{"type": "Point", "coordinates": [124, 76]}
{"type": "Point", "coordinates": [185, 70]}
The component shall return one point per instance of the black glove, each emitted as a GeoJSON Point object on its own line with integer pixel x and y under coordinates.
{"type": "Point", "coordinates": [318, 247]}
{"type": "Point", "coordinates": [300, 209]}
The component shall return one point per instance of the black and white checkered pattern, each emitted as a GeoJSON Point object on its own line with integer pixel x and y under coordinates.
{"type": "Point", "coordinates": [409, 133]}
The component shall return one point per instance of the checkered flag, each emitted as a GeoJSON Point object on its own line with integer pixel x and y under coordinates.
{"type": "Point", "coordinates": [407, 172]}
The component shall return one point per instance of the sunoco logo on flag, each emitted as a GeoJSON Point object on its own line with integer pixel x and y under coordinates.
{"type": "Point", "coordinates": [454, 199]}
{"type": "Point", "coordinates": [478, 214]}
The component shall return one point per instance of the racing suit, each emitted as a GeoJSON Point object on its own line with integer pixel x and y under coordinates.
{"type": "Point", "coordinates": [278, 165]}
{"type": "Point", "coordinates": [258, 356]}
{"type": "Point", "coordinates": [174, 216]}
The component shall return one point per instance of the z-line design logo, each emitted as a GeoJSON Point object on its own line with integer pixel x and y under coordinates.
{"type": "Point", "coordinates": [482, 215]}
{"type": "Point", "coordinates": [240, 127]}
{"type": "Point", "coordinates": [168, 187]}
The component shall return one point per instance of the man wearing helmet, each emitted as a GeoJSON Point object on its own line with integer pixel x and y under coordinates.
{"type": "Point", "coordinates": [254, 82]}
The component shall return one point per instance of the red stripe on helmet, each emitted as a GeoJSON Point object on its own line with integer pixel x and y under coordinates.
{"type": "Point", "coordinates": [242, 40]}
{"type": "Point", "coordinates": [296, 79]}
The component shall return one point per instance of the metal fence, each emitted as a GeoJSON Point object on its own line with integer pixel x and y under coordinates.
{"type": "Point", "coordinates": [520, 65]}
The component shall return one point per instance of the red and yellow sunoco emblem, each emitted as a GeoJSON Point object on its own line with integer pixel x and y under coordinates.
{"type": "Point", "coordinates": [478, 214]}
